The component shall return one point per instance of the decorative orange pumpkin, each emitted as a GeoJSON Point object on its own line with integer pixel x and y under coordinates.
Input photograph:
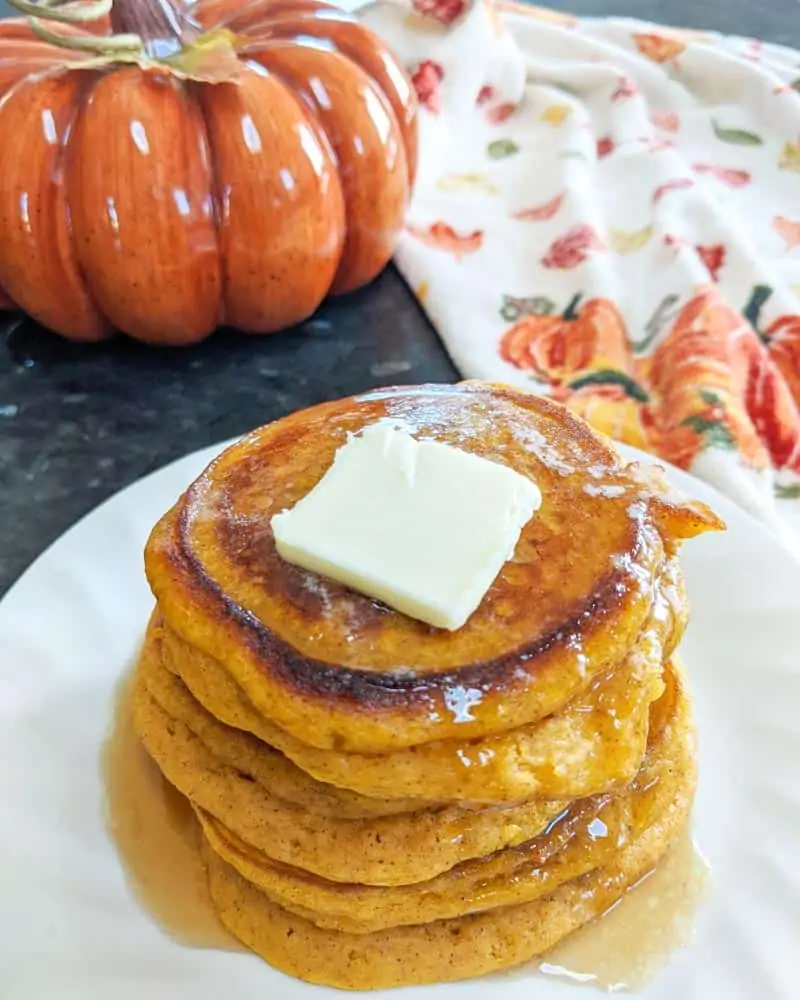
{"type": "Point", "coordinates": [223, 162]}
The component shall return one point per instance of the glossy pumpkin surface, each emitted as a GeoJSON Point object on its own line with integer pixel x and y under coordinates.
{"type": "Point", "coordinates": [164, 205]}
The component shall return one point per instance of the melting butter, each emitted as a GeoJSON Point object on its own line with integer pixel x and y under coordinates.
{"type": "Point", "coordinates": [420, 525]}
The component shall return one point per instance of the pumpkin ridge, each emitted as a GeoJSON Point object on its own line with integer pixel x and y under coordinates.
{"type": "Point", "coordinates": [64, 161]}
{"type": "Point", "coordinates": [193, 90]}
{"type": "Point", "coordinates": [364, 254]}
{"type": "Point", "coordinates": [34, 207]}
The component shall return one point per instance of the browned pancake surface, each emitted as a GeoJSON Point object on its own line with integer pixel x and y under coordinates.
{"type": "Point", "coordinates": [338, 670]}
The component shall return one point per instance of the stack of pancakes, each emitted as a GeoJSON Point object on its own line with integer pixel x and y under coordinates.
{"type": "Point", "coordinates": [384, 803]}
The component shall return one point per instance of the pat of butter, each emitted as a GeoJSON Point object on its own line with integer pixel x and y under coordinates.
{"type": "Point", "coordinates": [422, 526]}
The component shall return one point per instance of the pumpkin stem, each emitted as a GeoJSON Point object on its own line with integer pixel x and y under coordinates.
{"type": "Point", "coordinates": [571, 312]}
{"type": "Point", "coordinates": [65, 12]}
{"type": "Point", "coordinates": [752, 311]}
{"type": "Point", "coordinates": [161, 25]}
{"type": "Point", "coordinates": [76, 13]}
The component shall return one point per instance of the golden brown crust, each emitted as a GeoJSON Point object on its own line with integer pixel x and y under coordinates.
{"type": "Point", "coordinates": [337, 670]}
{"type": "Point", "coordinates": [598, 738]}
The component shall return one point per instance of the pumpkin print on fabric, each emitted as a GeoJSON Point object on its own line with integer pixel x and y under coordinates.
{"type": "Point", "coordinates": [584, 338]}
{"type": "Point", "coordinates": [697, 380]}
{"type": "Point", "coordinates": [712, 382]}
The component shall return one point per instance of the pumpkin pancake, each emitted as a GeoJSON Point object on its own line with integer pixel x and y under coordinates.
{"type": "Point", "coordinates": [250, 756]}
{"type": "Point", "coordinates": [579, 840]}
{"type": "Point", "coordinates": [594, 744]}
{"type": "Point", "coordinates": [466, 946]}
{"type": "Point", "coordinates": [377, 850]}
{"type": "Point", "coordinates": [337, 671]}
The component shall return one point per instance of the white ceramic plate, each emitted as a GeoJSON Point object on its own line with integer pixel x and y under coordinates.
{"type": "Point", "coordinates": [70, 928]}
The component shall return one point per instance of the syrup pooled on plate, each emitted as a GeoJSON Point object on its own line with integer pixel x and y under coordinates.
{"type": "Point", "coordinates": [628, 946]}
{"type": "Point", "coordinates": [157, 838]}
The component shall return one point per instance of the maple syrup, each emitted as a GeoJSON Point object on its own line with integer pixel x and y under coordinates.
{"type": "Point", "coordinates": [633, 941]}
{"type": "Point", "coordinates": [157, 838]}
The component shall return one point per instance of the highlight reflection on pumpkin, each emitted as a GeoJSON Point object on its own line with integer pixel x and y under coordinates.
{"type": "Point", "coordinates": [249, 159]}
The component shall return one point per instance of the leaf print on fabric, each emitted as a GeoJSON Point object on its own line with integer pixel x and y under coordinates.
{"type": "Point", "coordinates": [713, 256]}
{"type": "Point", "coordinates": [558, 349]}
{"type": "Point", "coordinates": [514, 308]}
{"type": "Point", "coordinates": [441, 236]}
{"type": "Point", "coordinates": [736, 136]}
{"type": "Point", "coordinates": [727, 175]}
{"type": "Point", "coordinates": [573, 248]}
{"type": "Point", "coordinates": [625, 88]}
{"type": "Point", "coordinates": [556, 114]}
{"type": "Point", "coordinates": [655, 143]}
{"type": "Point", "coordinates": [501, 148]}
{"type": "Point", "coordinates": [605, 147]}
{"type": "Point", "coordinates": [790, 157]}
{"type": "Point", "coordinates": [467, 184]}
{"type": "Point", "coordinates": [426, 79]}
{"type": "Point", "coordinates": [787, 492]}
{"type": "Point", "coordinates": [500, 113]}
{"type": "Point", "coordinates": [788, 231]}
{"type": "Point", "coordinates": [612, 376]}
{"type": "Point", "coordinates": [625, 241]}
{"type": "Point", "coordinates": [445, 11]}
{"type": "Point", "coordinates": [668, 121]}
{"type": "Point", "coordinates": [659, 48]}
{"type": "Point", "coordinates": [664, 313]}
{"type": "Point", "coordinates": [677, 185]}
{"type": "Point", "coordinates": [540, 213]}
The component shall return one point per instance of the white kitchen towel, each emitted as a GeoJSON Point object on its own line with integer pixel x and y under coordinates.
{"type": "Point", "coordinates": [608, 212]}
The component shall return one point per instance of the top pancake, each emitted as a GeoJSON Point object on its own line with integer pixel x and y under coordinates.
{"type": "Point", "coordinates": [338, 670]}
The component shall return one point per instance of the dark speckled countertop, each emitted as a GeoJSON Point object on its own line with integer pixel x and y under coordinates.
{"type": "Point", "coordinates": [77, 423]}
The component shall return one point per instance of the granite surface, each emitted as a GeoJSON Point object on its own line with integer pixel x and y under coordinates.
{"type": "Point", "coordinates": [77, 423]}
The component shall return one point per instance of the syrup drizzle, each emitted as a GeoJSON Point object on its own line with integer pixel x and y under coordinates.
{"type": "Point", "coordinates": [158, 841]}
{"type": "Point", "coordinates": [157, 838]}
{"type": "Point", "coordinates": [633, 941]}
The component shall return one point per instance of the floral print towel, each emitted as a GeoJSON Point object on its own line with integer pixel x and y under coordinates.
{"type": "Point", "coordinates": [608, 212]}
